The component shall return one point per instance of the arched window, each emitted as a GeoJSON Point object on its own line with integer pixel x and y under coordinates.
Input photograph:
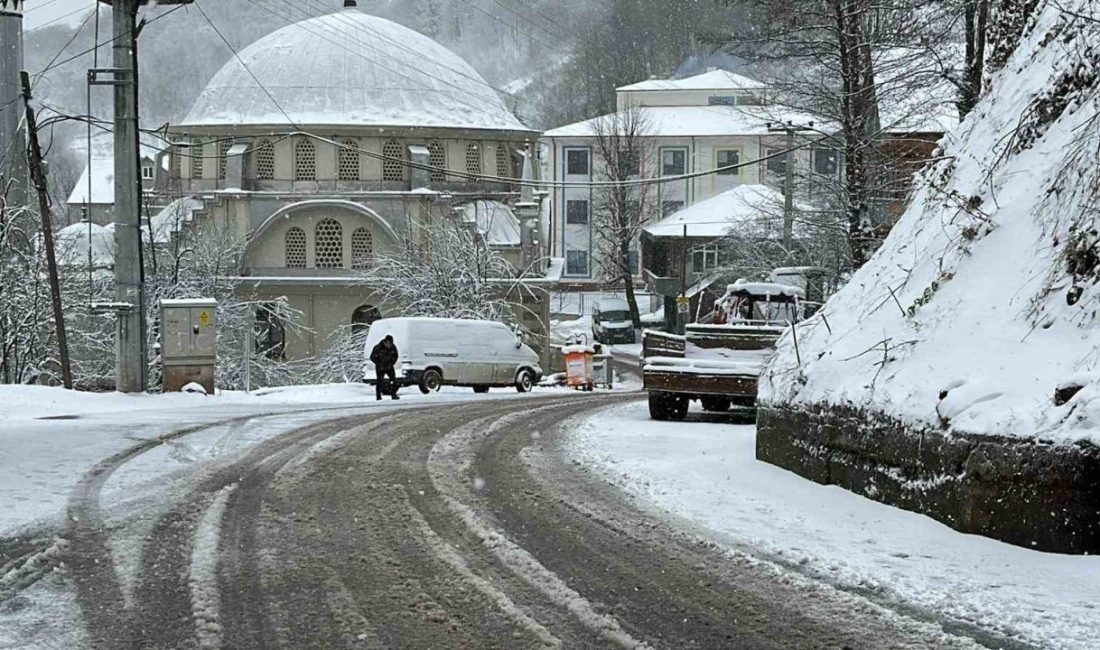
{"type": "Point", "coordinates": [363, 316]}
{"type": "Point", "coordinates": [392, 169]}
{"type": "Point", "coordinates": [473, 160]}
{"type": "Point", "coordinates": [348, 160]}
{"type": "Point", "coordinates": [328, 245]}
{"type": "Point", "coordinates": [504, 161]}
{"type": "Point", "coordinates": [223, 156]}
{"type": "Point", "coordinates": [265, 160]}
{"type": "Point", "coordinates": [198, 154]}
{"type": "Point", "coordinates": [305, 160]}
{"type": "Point", "coordinates": [362, 247]}
{"type": "Point", "coordinates": [296, 248]}
{"type": "Point", "coordinates": [437, 157]}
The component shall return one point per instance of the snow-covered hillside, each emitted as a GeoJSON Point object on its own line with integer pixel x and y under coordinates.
{"type": "Point", "coordinates": [983, 301]}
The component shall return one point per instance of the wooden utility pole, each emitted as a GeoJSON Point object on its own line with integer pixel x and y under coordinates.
{"type": "Point", "coordinates": [38, 179]}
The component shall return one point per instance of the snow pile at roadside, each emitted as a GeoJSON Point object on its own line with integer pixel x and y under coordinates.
{"type": "Point", "coordinates": [707, 473]}
{"type": "Point", "coordinates": [983, 301]}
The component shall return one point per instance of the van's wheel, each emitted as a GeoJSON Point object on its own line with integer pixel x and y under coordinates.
{"type": "Point", "coordinates": [431, 381]}
{"type": "Point", "coordinates": [678, 407]}
{"type": "Point", "coordinates": [525, 381]}
{"type": "Point", "coordinates": [658, 406]}
{"type": "Point", "coordinates": [715, 404]}
{"type": "Point", "coordinates": [481, 389]}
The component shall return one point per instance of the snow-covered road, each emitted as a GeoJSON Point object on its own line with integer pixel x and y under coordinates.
{"type": "Point", "coordinates": [706, 474]}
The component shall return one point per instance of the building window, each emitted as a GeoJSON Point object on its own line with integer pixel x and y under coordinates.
{"type": "Point", "coordinates": [362, 247]}
{"type": "Point", "coordinates": [174, 160]}
{"type": "Point", "coordinates": [576, 162]}
{"type": "Point", "coordinates": [722, 100]}
{"type": "Point", "coordinates": [265, 160]}
{"type": "Point", "coordinates": [269, 333]}
{"type": "Point", "coordinates": [728, 158]}
{"type": "Point", "coordinates": [473, 161]}
{"type": "Point", "coordinates": [146, 172]}
{"type": "Point", "coordinates": [670, 207]}
{"type": "Point", "coordinates": [305, 160]}
{"type": "Point", "coordinates": [363, 317]}
{"type": "Point", "coordinates": [437, 158]}
{"type": "Point", "coordinates": [704, 258]}
{"type": "Point", "coordinates": [296, 248]}
{"type": "Point", "coordinates": [826, 161]}
{"type": "Point", "coordinates": [576, 263]}
{"type": "Point", "coordinates": [328, 245]}
{"type": "Point", "coordinates": [776, 164]}
{"type": "Point", "coordinates": [393, 168]}
{"type": "Point", "coordinates": [504, 161]}
{"type": "Point", "coordinates": [673, 162]}
{"type": "Point", "coordinates": [576, 212]}
{"type": "Point", "coordinates": [223, 156]}
{"type": "Point", "coordinates": [348, 161]}
{"type": "Point", "coordinates": [198, 156]}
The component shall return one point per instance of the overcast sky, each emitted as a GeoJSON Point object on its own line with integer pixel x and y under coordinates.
{"type": "Point", "coordinates": [45, 12]}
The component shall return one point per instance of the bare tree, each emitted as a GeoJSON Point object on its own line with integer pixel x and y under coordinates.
{"type": "Point", "coordinates": [624, 151]}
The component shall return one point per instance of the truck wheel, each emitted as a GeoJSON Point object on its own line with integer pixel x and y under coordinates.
{"type": "Point", "coordinates": [678, 407]}
{"type": "Point", "coordinates": [658, 406]}
{"type": "Point", "coordinates": [431, 381]}
{"type": "Point", "coordinates": [715, 404]}
{"type": "Point", "coordinates": [525, 381]}
{"type": "Point", "coordinates": [481, 389]}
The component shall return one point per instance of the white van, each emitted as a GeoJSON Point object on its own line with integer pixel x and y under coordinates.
{"type": "Point", "coordinates": [433, 352]}
{"type": "Point", "coordinates": [611, 321]}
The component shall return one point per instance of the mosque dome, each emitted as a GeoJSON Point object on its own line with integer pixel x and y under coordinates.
{"type": "Point", "coordinates": [350, 69]}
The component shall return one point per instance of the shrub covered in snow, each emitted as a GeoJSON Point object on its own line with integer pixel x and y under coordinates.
{"type": "Point", "coordinates": [983, 302]}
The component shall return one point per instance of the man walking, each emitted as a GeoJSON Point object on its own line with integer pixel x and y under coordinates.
{"type": "Point", "coordinates": [384, 358]}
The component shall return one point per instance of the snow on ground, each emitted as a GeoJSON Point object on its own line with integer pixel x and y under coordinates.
{"type": "Point", "coordinates": [707, 473]}
{"type": "Point", "coordinates": [44, 458]}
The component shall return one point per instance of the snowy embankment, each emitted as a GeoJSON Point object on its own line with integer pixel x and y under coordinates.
{"type": "Point", "coordinates": [51, 436]}
{"type": "Point", "coordinates": [707, 473]}
{"type": "Point", "coordinates": [982, 303]}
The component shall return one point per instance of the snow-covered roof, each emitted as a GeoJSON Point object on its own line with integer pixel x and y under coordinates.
{"type": "Point", "coordinates": [686, 121]}
{"type": "Point", "coordinates": [172, 218]}
{"type": "Point", "coordinates": [103, 184]}
{"type": "Point", "coordinates": [495, 222]}
{"type": "Point", "coordinates": [765, 289]}
{"type": "Point", "coordinates": [73, 243]}
{"type": "Point", "coordinates": [712, 80]}
{"type": "Point", "coordinates": [754, 210]}
{"type": "Point", "coordinates": [350, 68]}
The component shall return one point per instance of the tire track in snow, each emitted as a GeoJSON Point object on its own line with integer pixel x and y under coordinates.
{"type": "Point", "coordinates": [205, 598]}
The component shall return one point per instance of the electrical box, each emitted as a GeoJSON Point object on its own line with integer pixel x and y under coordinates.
{"type": "Point", "coordinates": [189, 335]}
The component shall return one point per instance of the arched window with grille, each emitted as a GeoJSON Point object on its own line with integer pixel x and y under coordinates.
{"type": "Point", "coordinates": [296, 248]}
{"type": "Point", "coordinates": [348, 160]}
{"type": "Point", "coordinates": [328, 244]}
{"type": "Point", "coordinates": [223, 156]}
{"type": "Point", "coordinates": [392, 168]}
{"type": "Point", "coordinates": [265, 160]}
{"type": "Point", "coordinates": [198, 156]}
{"type": "Point", "coordinates": [504, 161]}
{"type": "Point", "coordinates": [305, 160]}
{"type": "Point", "coordinates": [473, 160]}
{"type": "Point", "coordinates": [362, 248]}
{"type": "Point", "coordinates": [437, 157]}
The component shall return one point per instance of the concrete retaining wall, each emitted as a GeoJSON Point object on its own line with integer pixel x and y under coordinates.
{"type": "Point", "coordinates": [1023, 491]}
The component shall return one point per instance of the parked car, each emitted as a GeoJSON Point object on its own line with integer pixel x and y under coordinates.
{"type": "Point", "coordinates": [436, 352]}
{"type": "Point", "coordinates": [611, 322]}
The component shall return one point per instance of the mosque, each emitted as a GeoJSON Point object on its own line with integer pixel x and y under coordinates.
{"type": "Point", "coordinates": [322, 146]}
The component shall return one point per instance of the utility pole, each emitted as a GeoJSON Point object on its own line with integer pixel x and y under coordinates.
{"type": "Point", "coordinates": [38, 177]}
{"type": "Point", "coordinates": [13, 161]}
{"type": "Point", "coordinates": [788, 179]}
{"type": "Point", "coordinates": [132, 355]}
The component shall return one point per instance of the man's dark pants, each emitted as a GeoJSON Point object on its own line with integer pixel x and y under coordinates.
{"type": "Point", "coordinates": [380, 379]}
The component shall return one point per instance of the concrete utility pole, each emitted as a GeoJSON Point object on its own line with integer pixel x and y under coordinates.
{"type": "Point", "coordinates": [788, 179]}
{"type": "Point", "coordinates": [131, 350]}
{"type": "Point", "coordinates": [13, 160]}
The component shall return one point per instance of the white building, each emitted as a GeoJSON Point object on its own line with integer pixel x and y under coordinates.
{"type": "Point", "coordinates": [712, 120]}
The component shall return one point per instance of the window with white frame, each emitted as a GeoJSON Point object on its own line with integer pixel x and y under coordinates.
{"type": "Point", "coordinates": [673, 162]}
{"type": "Point", "coordinates": [576, 212]}
{"type": "Point", "coordinates": [704, 258]}
{"type": "Point", "coordinates": [146, 172]}
{"type": "Point", "coordinates": [826, 161]}
{"type": "Point", "coordinates": [305, 160]}
{"type": "Point", "coordinates": [577, 162]}
{"type": "Point", "coordinates": [576, 263]}
{"type": "Point", "coordinates": [728, 158]}
{"type": "Point", "coordinates": [328, 244]}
